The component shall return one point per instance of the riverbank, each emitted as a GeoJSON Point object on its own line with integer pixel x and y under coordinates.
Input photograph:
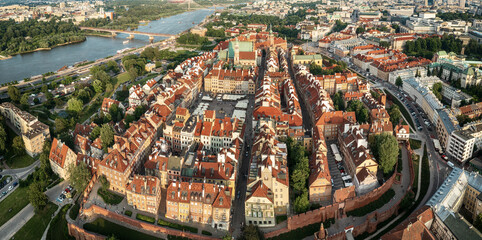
{"type": "Point", "coordinates": [5, 57]}
{"type": "Point", "coordinates": [94, 49]}
{"type": "Point", "coordinates": [42, 49]}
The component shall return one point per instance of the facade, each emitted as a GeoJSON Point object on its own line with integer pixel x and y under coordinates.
{"type": "Point", "coordinates": [199, 202]}
{"type": "Point", "coordinates": [144, 193]}
{"type": "Point", "coordinates": [259, 206]}
{"type": "Point", "coordinates": [359, 160]}
{"type": "Point", "coordinates": [33, 132]}
{"type": "Point", "coordinates": [240, 81]}
{"type": "Point", "coordinates": [61, 158]}
{"type": "Point", "coordinates": [462, 142]}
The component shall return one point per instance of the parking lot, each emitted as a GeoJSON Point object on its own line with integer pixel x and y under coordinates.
{"type": "Point", "coordinates": [335, 169]}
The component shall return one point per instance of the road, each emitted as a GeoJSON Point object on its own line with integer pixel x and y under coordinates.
{"type": "Point", "coordinates": [243, 171]}
{"type": "Point", "coordinates": [19, 173]}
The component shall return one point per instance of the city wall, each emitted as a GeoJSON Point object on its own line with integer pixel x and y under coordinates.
{"type": "Point", "coordinates": [82, 234]}
{"type": "Point", "coordinates": [338, 210]}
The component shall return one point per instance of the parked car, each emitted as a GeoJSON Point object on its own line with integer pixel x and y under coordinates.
{"type": "Point", "coordinates": [15, 184]}
{"type": "Point", "coordinates": [10, 188]}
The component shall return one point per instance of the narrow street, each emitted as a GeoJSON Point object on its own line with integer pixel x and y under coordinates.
{"type": "Point", "coordinates": [238, 218]}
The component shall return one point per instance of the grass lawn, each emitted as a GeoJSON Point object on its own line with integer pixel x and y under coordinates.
{"type": "Point", "coordinates": [16, 201]}
{"type": "Point", "coordinates": [35, 227]}
{"type": "Point", "coordinates": [128, 213]}
{"type": "Point", "coordinates": [110, 197]}
{"type": "Point", "coordinates": [415, 144]}
{"type": "Point", "coordinates": [402, 108]}
{"type": "Point", "coordinates": [12, 160]}
{"type": "Point", "coordinates": [145, 218]}
{"type": "Point", "coordinates": [58, 227]}
{"type": "Point", "coordinates": [123, 77]}
{"type": "Point", "coordinates": [281, 218]}
{"type": "Point", "coordinates": [177, 226]}
{"type": "Point", "coordinates": [362, 211]}
{"type": "Point", "coordinates": [107, 228]}
{"type": "Point", "coordinates": [74, 211]}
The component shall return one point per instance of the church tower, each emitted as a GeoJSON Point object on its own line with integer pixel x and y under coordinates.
{"type": "Point", "coordinates": [236, 52]}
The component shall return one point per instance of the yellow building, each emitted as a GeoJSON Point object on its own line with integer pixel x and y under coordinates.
{"type": "Point", "coordinates": [33, 131]}
{"type": "Point", "coordinates": [240, 81]}
{"type": "Point", "coordinates": [144, 193]}
{"type": "Point", "coordinates": [259, 205]}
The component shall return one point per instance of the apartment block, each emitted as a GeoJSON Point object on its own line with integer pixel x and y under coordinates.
{"type": "Point", "coordinates": [33, 132]}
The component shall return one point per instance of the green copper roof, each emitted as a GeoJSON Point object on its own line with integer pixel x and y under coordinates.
{"type": "Point", "coordinates": [243, 47]}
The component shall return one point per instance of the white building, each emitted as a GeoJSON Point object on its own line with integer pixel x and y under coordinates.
{"type": "Point", "coordinates": [461, 142]}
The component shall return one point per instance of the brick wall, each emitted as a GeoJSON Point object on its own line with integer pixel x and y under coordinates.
{"type": "Point", "coordinates": [81, 234]}
{"type": "Point", "coordinates": [94, 209]}
{"type": "Point", "coordinates": [335, 210]}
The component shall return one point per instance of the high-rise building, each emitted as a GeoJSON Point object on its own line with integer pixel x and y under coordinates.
{"type": "Point", "coordinates": [461, 3]}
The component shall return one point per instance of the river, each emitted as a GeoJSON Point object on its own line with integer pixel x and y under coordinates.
{"type": "Point", "coordinates": [31, 64]}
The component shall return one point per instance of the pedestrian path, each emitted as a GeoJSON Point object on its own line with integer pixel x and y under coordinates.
{"type": "Point", "coordinates": [9, 229]}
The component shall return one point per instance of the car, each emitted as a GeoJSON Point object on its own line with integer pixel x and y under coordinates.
{"type": "Point", "coordinates": [10, 188]}
{"type": "Point", "coordinates": [67, 190]}
{"type": "Point", "coordinates": [15, 184]}
{"type": "Point", "coordinates": [444, 157]}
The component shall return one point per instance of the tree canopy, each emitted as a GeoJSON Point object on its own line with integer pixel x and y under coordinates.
{"type": "Point", "coordinates": [79, 176]}
{"type": "Point", "coordinates": [361, 112]}
{"type": "Point", "coordinates": [386, 151]}
{"type": "Point", "coordinates": [36, 196]}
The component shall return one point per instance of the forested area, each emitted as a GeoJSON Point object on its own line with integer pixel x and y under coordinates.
{"type": "Point", "coordinates": [129, 17]}
{"type": "Point", "coordinates": [426, 47]}
{"type": "Point", "coordinates": [449, 16]}
{"type": "Point", "coordinates": [29, 35]}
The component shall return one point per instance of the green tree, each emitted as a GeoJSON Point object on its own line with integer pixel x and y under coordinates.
{"type": "Point", "coordinates": [79, 176]}
{"type": "Point", "coordinates": [338, 101]}
{"type": "Point", "coordinates": [399, 82]}
{"type": "Point", "coordinates": [478, 222]}
{"type": "Point", "coordinates": [251, 232]}
{"type": "Point", "coordinates": [18, 145]}
{"type": "Point", "coordinates": [104, 182]}
{"type": "Point", "coordinates": [360, 30]}
{"type": "Point", "coordinates": [24, 100]}
{"type": "Point", "coordinates": [387, 147]}
{"type": "Point", "coordinates": [3, 138]}
{"type": "Point", "coordinates": [437, 90]}
{"type": "Point", "coordinates": [227, 237]}
{"type": "Point", "coordinates": [99, 86]}
{"type": "Point", "coordinates": [13, 93]}
{"type": "Point", "coordinates": [36, 196]}
{"type": "Point", "coordinates": [45, 88]}
{"type": "Point", "coordinates": [95, 133]}
{"type": "Point", "coordinates": [112, 66]}
{"type": "Point", "coordinates": [107, 135]}
{"type": "Point", "coordinates": [395, 114]}
{"type": "Point", "coordinates": [114, 111]}
{"type": "Point", "coordinates": [315, 69]}
{"type": "Point", "coordinates": [302, 204]}
{"type": "Point", "coordinates": [361, 112]}
{"type": "Point", "coordinates": [60, 125]}
{"type": "Point", "coordinates": [75, 105]}
{"type": "Point", "coordinates": [298, 177]}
